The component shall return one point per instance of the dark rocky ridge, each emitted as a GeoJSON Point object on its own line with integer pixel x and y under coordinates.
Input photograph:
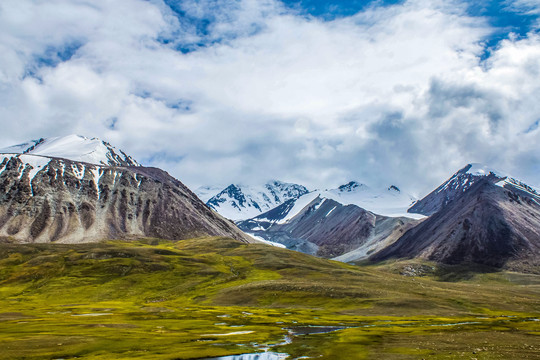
{"type": "Point", "coordinates": [68, 201]}
{"type": "Point", "coordinates": [487, 224]}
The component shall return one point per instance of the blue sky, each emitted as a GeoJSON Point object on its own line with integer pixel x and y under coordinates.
{"type": "Point", "coordinates": [314, 92]}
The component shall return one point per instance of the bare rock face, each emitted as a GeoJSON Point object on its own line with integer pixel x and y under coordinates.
{"type": "Point", "coordinates": [44, 199]}
{"type": "Point", "coordinates": [491, 223]}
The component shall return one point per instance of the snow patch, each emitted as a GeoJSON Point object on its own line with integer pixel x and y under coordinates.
{"type": "Point", "coordinates": [37, 163]}
{"type": "Point", "coordinates": [79, 173]}
{"type": "Point", "coordinates": [97, 172]}
{"type": "Point", "coordinates": [328, 213]}
{"type": "Point", "coordinates": [267, 242]}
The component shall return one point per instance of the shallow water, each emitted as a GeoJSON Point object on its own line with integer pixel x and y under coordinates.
{"type": "Point", "coordinates": [256, 356]}
{"type": "Point", "coordinates": [293, 331]}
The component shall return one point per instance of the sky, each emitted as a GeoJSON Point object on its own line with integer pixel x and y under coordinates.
{"type": "Point", "coordinates": [317, 92]}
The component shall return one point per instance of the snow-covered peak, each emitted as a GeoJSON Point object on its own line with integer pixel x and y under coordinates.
{"type": "Point", "coordinates": [476, 169]}
{"type": "Point", "coordinates": [386, 200]}
{"type": "Point", "coordinates": [76, 148]}
{"type": "Point", "coordinates": [238, 202]}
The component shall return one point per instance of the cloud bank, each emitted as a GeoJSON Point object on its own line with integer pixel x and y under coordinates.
{"type": "Point", "coordinates": [217, 92]}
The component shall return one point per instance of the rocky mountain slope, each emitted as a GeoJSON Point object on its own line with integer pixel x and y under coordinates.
{"type": "Point", "coordinates": [55, 199]}
{"type": "Point", "coordinates": [493, 221]}
{"type": "Point", "coordinates": [317, 225]}
{"type": "Point", "coordinates": [238, 202]}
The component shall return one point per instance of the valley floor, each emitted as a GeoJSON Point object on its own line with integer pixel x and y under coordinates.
{"type": "Point", "coordinates": [154, 299]}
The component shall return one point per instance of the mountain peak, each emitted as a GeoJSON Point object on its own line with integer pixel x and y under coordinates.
{"type": "Point", "coordinates": [477, 169]}
{"type": "Point", "coordinates": [461, 181]}
{"type": "Point", "coordinates": [76, 148]}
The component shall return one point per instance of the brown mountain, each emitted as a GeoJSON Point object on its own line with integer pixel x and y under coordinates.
{"type": "Point", "coordinates": [48, 199]}
{"type": "Point", "coordinates": [494, 222]}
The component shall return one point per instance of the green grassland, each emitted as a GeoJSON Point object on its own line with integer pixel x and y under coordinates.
{"type": "Point", "coordinates": [154, 299]}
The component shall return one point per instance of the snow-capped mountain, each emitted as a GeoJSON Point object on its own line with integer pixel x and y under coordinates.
{"type": "Point", "coordinates": [238, 202]}
{"type": "Point", "coordinates": [334, 222]}
{"type": "Point", "coordinates": [461, 181]}
{"type": "Point", "coordinates": [54, 198]}
{"type": "Point", "coordinates": [388, 202]}
{"type": "Point", "coordinates": [75, 148]}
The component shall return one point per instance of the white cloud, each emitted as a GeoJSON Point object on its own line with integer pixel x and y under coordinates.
{"type": "Point", "coordinates": [394, 94]}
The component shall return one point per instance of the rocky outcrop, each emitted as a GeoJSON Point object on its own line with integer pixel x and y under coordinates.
{"type": "Point", "coordinates": [45, 199]}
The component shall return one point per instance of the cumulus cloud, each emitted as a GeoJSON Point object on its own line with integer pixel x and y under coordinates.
{"type": "Point", "coordinates": [218, 91]}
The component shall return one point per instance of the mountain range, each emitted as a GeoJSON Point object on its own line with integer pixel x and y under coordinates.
{"type": "Point", "coordinates": [238, 202]}
{"type": "Point", "coordinates": [478, 215]}
{"type": "Point", "coordinates": [75, 189]}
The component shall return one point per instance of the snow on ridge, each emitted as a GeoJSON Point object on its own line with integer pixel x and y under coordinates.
{"type": "Point", "coordinates": [267, 242]}
{"type": "Point", "coordinates": [238, 202]}
{"type": "Point", "coordinates": [75, 148]}
{"type": "Point", "coordinates": [37, 163]}
{"type": "Point", "coordinates": [504, 179]}
{"type": "Point", "coordinates": [478, 169]}
{"type": "Point", "coordinates": [383, 200]}
{"type": "Point", "coordinates": [299, 205]}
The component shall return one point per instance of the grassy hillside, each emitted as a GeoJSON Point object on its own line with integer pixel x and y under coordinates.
{"type": "Point", "coordinates": [154, 299]}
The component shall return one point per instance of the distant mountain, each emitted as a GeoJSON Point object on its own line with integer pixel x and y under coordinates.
{"type": "Point", "coordinates": [238, 202]}
{"type": "Point", "coordinates": [103, 194]}
{"type": "Point", "coordinates": [478, 216]}
{"type": "Point", "coordinates": [322, 226]}
{"type": "Point", "coordinates": [75, 148]}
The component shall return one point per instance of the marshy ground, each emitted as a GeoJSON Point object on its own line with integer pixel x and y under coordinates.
{"type": "Point", "coordinates": [154, 299]}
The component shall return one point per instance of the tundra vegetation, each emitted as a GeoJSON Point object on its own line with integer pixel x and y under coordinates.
{"type": "Point", "coordinates": [209, 297]}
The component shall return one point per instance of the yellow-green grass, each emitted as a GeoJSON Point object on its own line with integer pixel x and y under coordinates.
{"type": "Point", "coordinates": [154, 299]}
